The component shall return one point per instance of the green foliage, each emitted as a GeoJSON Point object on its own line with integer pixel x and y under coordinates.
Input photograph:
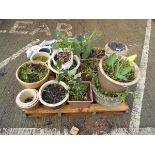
{"type": "Point", "coordinates": [82, 46]}
{"type": "Point", "coordinates": [32, 72]}
{"type": "Point", "coordinates": [62, 40]}
{"type": "Point", "coordinates": [121, 95]}
{"type": "Point", "coordinates": [41, 58]}
{"type": "Point", "coordinates": [77, 89]}
{"type": "Point", "coordinates": [120, 69]}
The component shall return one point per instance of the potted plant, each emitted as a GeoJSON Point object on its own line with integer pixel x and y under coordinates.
{"type": "Point", "coordinates": [80, 92]}
{"type": "Point", "coordinates": [88, 63]}
{"type": "Point", "coordinates": [82, 44]}
{"type": "Point", "coordinates": [27, 99]}
{"type": "Point", "coordinates": [103, 97]}
{"type": "Point", "coordinates": [40, 56]}
{"type": "Point", "coordinates": [62, 51]}
{"type": "Point", "coordinates": [56, 68]}
{"type": "Point", "coordinates": [53, 94]}
{"type": "Point", "coordinates": [116, 73]}
{"type": "Point", "coordinates": [116, 47]}
{"type": "Point", "coordinates": [32, 74]}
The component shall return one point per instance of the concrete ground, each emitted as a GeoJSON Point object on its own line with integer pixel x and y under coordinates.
{"type": "Point", "coordinates": [16, 34]}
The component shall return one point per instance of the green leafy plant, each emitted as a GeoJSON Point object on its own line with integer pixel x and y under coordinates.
{"type": "Point", "coordinates": [77, 88]}
{"type": "Point", "coordinates": [32, 72]}
{"type": "Point", "coordinates": [121, 95]}
{"type": "Point", "coordinates": [62, 40]}
{"type": "Point", "coordinates": [118, 69]}
{"type": "Point", "coordinates": [82, 44]}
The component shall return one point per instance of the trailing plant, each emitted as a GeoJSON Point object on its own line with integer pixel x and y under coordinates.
{"type": "Point", "coordinates": [118, 69]}
{"type": "Point", "coordinates": [121, 95]}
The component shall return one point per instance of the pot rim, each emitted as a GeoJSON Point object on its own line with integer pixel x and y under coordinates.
{"type": "Point", "coordinates": [91, 94]}
{"type": "Point", "coordinates": [29, 104]}
{"type": "Point", "coordinates": [56, 104]}
{"type": "Point", "coordinates": [35, 62]}
{"type": "Point", "coordinates": [56, 51]}
{"type": "Point", "coordinates": [75, 57]}
{"type": "Point", "coordinates": [107, 46]}
{"type": "Point", "coordinates": [137, 73]}
{"type": "Point", "coordinates": [103, 95]}
{"type": "Point", "coordinates": [40, 53]}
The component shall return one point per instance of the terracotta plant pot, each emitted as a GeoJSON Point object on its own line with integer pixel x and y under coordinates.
{"type": "Point", "coordinates": [119, 51]}
{"type": "Point", "coordinates": [55, 105]}
{"type": "Point", "coordinates": [83, 104]}
{"type": "Point", "coordinates": [104, 99]}
{"type": "Point", "coordinates": [25, 94]}
{"type": "Point", "coordinates": [76, 58]}
{"type": "Point", "coordinates": [35, 55]}
{"type": "Point", "coordinates": [111, 85]}
{"type": "Point", "coordinates": [66, 65]}
{"type": "Point", "coordinates": [34, 84]}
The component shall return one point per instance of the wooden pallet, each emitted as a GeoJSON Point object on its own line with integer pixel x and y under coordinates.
{"type": "Point", "coordinates": [66, 109]}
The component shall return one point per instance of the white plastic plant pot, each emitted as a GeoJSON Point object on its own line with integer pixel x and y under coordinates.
{"type": "Point", "coordinates": [25, 94]}
{"type": "Point", "coordinates": [75, 57]}
{"type": "Point", "coordinates": [66, 65]}
{"type": "Point", "coordinates": [55, 105]}
{"type": "Point", "coordinates": [35, 55]}
{"type": "Point", "coordinates": [46, 49]}
{"type": "Point", "coordinates": [116, 47]}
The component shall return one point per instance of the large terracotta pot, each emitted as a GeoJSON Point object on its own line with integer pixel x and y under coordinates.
{"type": "Point", "coordinates": [83, 104]}
{"type": "Point", "coordinates": [111, 85]}
{"type": "Point", "coordinates": [34, 84]}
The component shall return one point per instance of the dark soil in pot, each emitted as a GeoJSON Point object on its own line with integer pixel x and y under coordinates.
{"type": "Point", "coordinates": [53, 93]}
{"type": "Point", "coordinates": [32, 72]}
{"type": "Point", "coordinates": [97, 53]}
{"type": "Point", "coordinates": [29, 99]}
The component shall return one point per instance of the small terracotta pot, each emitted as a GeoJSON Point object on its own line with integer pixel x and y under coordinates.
{"type": "Point", "coordinates": [83, 104]}
{"type": "Point", "coordinates": [34, 84]}
{"type": "Point", "coordinates": [25, 93]}
{"type": "Point", "coordinates": [111, 85]}
{"type": "Point", "coordinates": [56, 105]}
{"type": "Point", "coordinates": [109, 51]}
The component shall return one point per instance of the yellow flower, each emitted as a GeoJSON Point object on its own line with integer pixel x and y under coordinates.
{"type": "Point", "coordinates": [132, 58]}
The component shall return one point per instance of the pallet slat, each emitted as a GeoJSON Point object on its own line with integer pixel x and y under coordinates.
{"type": "Point", "coordinates": [68, 110]}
